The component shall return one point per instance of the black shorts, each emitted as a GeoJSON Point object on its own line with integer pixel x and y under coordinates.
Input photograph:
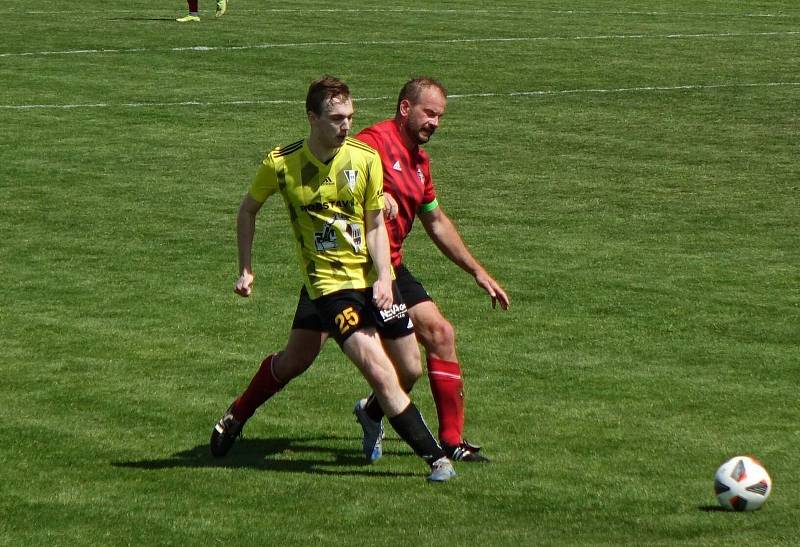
{"type": "Point", "coordinates": [411, 291]}
{"type": "Point", "coordinates": [344, 312]}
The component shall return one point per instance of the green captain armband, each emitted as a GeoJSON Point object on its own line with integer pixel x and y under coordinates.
{"type": "Point", "coordinates": [428, 207]}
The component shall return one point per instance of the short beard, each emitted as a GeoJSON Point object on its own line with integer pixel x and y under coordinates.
{"type": "Point", "coordinates": [418, 136]}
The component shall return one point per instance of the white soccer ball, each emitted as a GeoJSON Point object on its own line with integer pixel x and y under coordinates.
{"type": "Point", "coordinates": [742, 484]}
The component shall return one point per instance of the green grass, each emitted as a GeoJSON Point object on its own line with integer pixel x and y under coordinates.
{"type": "Point", "coordinates": [647, 234]}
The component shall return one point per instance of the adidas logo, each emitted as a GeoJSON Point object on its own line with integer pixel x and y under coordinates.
{"type": "Point", "coordinates": [397, 167]}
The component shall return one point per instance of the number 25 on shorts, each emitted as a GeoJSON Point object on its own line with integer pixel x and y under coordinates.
{"type": "Point", "coordinates": [347, 319]}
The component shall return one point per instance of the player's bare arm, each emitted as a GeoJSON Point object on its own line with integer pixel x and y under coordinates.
{"type": "Point", "coordinates": [378, 246]}
{"type": "Point", "coordinates": [446, 237]}
{"type": "Point", "coordinates": [245, 231]}
{"type": "Point", "coordinates": [390, 207]}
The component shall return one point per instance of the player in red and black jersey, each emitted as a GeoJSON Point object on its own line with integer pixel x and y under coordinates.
{"type": "Point", "coordinates": [409, 192]}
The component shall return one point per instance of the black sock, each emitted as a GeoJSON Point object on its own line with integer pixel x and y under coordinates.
{"type": "Point", "coordinates": [373, 408]}
{"type": "Point", "coordinates": [412, 428]}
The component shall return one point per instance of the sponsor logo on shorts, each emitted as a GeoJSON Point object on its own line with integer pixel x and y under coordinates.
{"type": "Point", "coordinates": [397, 311]}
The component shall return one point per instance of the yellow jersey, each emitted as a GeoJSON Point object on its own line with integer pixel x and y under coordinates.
{"type": "Point", "coordinates": [326, 203]}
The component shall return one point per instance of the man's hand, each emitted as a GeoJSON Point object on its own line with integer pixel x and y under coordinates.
{"type": "Point", "coordinates": [244, 286]}
{"type": "Point", "coordinates": [382, 294]}
{"type": "Point", "coordinates": [493, 288]}
{"type": "Point", "coordinates": [390, 207]}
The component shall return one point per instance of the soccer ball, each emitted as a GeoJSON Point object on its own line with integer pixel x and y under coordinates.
{"type": "Point", "coordinates": [742, 484]}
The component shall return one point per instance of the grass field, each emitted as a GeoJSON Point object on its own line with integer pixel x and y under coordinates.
{"type": "Point", "coordinates": [628, 170]}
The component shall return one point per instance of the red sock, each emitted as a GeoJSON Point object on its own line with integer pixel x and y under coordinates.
{"type": "Point", "coordinates": [192, 6]}
{"type": "Point", "coordinates": [263, 386]}
{"type": "Point", "coordinates": [447, 388]}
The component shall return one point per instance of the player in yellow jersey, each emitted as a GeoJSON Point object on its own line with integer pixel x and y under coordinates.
{"type": "Point", "coordinates": [332, 187]}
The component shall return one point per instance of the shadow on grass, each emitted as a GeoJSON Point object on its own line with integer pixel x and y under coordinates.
{"type": "Point", "coordinates": [282, 454]}
{"type": "Point", "coordinates": [712, 509]}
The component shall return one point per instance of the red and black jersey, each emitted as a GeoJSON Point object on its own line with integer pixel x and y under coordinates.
{"type": "Point", "coordinates": [406, 176]}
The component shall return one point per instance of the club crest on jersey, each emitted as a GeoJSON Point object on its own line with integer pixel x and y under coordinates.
{"type": "Point", "coordinates": [351, 176]}
{"type": "Point", "coordinates": [420, 175]}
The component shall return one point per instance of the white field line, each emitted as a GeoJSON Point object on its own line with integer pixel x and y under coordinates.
{"type": "Point", "coordinates": [406, 42]}
{"type": "Point", "coordinates": [670, 14]}
{"type": "Point", "coordinates": [539, 93]}
{"type": "Point", "coordinates": [421, 10]}
{"type": "Point", "coordinates": [688, 87]}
